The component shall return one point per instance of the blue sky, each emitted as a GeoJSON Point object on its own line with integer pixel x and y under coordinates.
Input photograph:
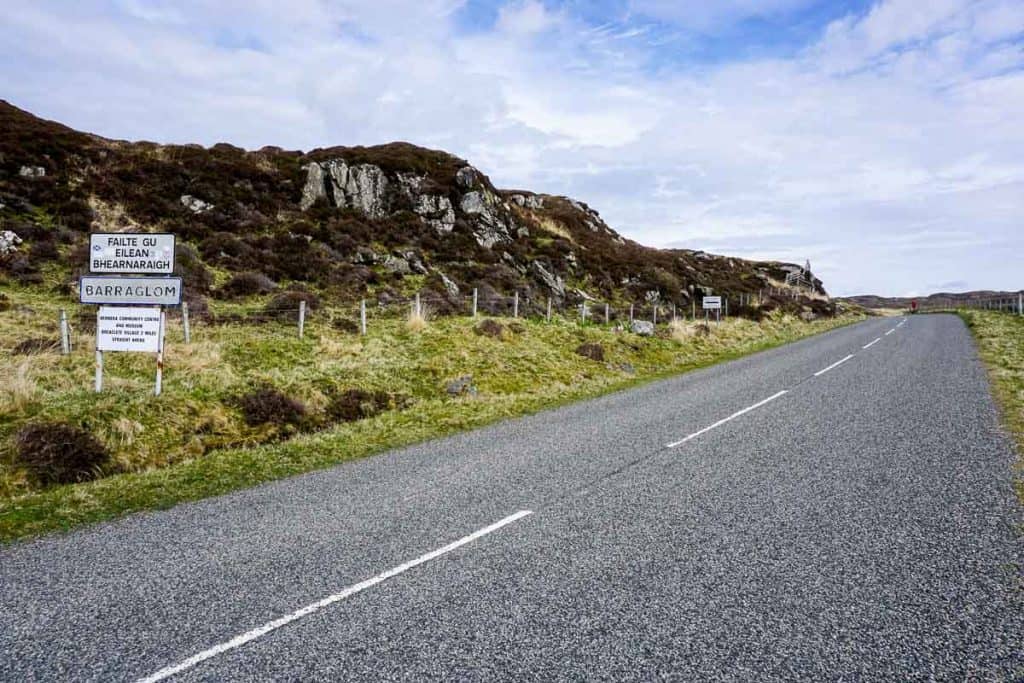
{"type": "Point", "coordinates": [881, 139]}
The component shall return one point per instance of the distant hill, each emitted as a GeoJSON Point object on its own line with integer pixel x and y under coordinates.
{"type": "Point", "coordinates": [939, 300]}
{"type": "Point", "coordinates": [343, 222]}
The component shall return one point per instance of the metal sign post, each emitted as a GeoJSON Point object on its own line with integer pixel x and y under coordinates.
{"type": "Point", "coordinates": [713, 303]}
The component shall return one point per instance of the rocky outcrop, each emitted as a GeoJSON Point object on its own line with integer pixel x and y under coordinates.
{"type": "Point", "coordinates": [553, 282]}
{"type": "Point", "coordinates": [360, 186]}
{"type": "Point", "coordinates": [436, 211]}
{"type": "Point", "coordinates": [32, 172]}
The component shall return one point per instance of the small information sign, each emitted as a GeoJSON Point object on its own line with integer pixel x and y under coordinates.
{"type": "Point", "coordinates": [712, 303]}
{"type": "Point", "coordinates": [122, 328]}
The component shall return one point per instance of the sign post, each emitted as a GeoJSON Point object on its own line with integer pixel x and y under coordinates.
{"type": "Point", "coordinates": [131, 315]}
{"type": "Point", "coordinates": [712, 303]}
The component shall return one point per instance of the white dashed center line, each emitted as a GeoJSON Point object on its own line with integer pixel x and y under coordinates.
{"type": "Point", "coordinates": [890, 332]}
{"type": "Point", "coordinates": [870, 344]}
{"type": "Point", "coordinates": [723, 421]}
{"type": "Point", "coordinates": [238, 641]}
{"type": "Point", "coordinates": [819, 373]}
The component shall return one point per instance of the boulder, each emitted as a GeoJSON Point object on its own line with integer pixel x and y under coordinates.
{"type": "Point", "coordinates": [553, 282]}
{"type": "Point", "coordinates": [32, 172]}
{"type": "Point", "coordinates": [9, 242]}
{"type": "Point", "coordinates": [194, 204]}
{"type": "Point", "coordinates": [397, 265]}
{"type": "Point", "coordinates": [463, 386]}
{"type": "Point", "coordinates": [466, 177]}
{"type": "Point", "coordinates": [473, 203]}
{"type": "Point", "coordinates": [436, 211]}
{"type": "Point", "coordinates": [644, 328]}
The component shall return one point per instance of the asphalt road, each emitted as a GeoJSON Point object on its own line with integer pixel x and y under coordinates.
{"type": "Point", "coordinates": [859, 526]}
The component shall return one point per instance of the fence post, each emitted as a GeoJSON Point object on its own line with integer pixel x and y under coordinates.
{"type": "Point", "coordinates": [726, 305]}
{"type": "Point", "coordinates": [185, 323]}
{"type": "Point", "coordinates": [65, 339]}
{"type": "Point", "coordinates": [515, 304]}
{"type": "Point", "coordinates": [693, 309]}
{"type": "Point", "coordinates": [362, 316]}
{"type": "Point", "coordinates": [673, 311]}
{"type": "Point", "coordinates": [1020, 303]}
{"type": "Point", "coordinates": [474, 301]}
{"type": "Point", "coordinates": [655, 316]}
{"type": "Point", "coordinates": [583, 312]}
{"type": "Point", "coordinates": [418, 309]}
{"type": "Point", "coordinates": [158, 389]}
{"type": "Point", "coordinates": [607, 314]}
{"type": "Point", "coordinates": [631, 314]}
{"type": "Point", "coordinates": [302, 318]}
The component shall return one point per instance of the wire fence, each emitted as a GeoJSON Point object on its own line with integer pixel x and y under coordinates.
{"type": "Point", "coordinates": [1005, 303]}
{"type": "Point", "coordinates": [358, 317]}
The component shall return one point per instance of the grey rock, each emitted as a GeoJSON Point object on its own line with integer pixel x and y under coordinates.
{"type": "Point", "coordinates": [360, 186]}
{"type": "Point", "coordinates": [397, 265]}
{"type": "Point", "coordinates": [32, 172]}
{"type": "Point", "coordinates": [473, 203]}
{"type": "Point", "coordinates": [627, 368]}
{"type": "Point", "coordinates": [9, 242]}
{"type": "Point", "coordinates": [528, 201]}
{"type": "Point", "coordinates": [463, 386]}
{"type": "Point", "coordinates": [366, 257]}
{"type": "Point", "coordinates": [195, 204]}
{"type": "Point", "coordinates": [436, 211]}
{"type": "Point", "coordinates": [413, 259]}
{"type": "Point", "coordinates": [466, 177]}
{"type": "Point", "coordinates": [644, 328]}
{"type": "Point", "coordinates": [449, 284]}
{"type": "Point", "coordinates": [551, 280]}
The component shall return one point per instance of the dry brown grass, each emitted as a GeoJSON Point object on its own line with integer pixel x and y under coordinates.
{"type": "Point", "coordinates": [18, 387]}
{"type": "Point", "coordinates": [419, 320]}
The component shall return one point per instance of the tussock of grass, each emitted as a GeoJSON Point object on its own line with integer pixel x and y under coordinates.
{"type": "Point", "coordinates": [194, 441]}
{"type": "Point", "coordinates": [419, 318]}
{"type": "Point", "coordinates": [1000, 339]}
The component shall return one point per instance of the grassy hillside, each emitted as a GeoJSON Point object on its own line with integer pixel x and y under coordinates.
{"type": "Point", "coordinates": [340, 396]}
{"type": "Point", "coordinates": [1000, 338]}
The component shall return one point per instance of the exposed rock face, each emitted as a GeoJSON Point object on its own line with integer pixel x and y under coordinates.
{"type": "Point", "coordinates": [361, 186]}
{"type": "Point", "coordinates": [492, 227]}
{"type": "Point", "coordinates": [553, 282]}
{"type": "Point", "coordinates": [436, 211]}
{"type": "Point", "coordinates": [528, 201]}
{"type": "Point", "coordinates": [194, 204]}
{"type": "Point", "coordinates": [449, 284]}
{"type": "Point", "coordinates": [466, 177]}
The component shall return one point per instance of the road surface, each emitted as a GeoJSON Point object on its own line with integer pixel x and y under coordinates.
{"type": "Point", "coordinates": [838, 508]}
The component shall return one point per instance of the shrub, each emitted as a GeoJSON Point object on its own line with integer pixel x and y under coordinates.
{"type": "Point", "coordinates": [356, 404]}
{"type": "Point", "coordinates": [418, 320]}
{"type": "Point", "coordinates": [59, 453]}
{"type": "Point", "coordinates": [346, 325]}
{"type": "Point", "coordinates": [289, 301]}
{"type": "Point", "coordinates": [591, 351]}
{"type": "Point", "coordinates": [247, 284]}
{"type": "Point", "coordinates": [489, 328]}
{"type": "Point", "coordinates": [34, 345]}
{"type": "Point", "coordinates": [267, 405]}
{"type": "Point", "coordinates": [44, 251]}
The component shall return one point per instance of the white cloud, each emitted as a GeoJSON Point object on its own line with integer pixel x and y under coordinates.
{"type": "Point", "coordinates": [888, 152]}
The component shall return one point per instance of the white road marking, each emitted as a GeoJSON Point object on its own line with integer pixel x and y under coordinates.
{"type": "Point", "coordinates": [890, 332]}
{"type": "Point", "coordinates": [819, 373]}
{"type": "Point", "coordinates": [723, 421]}
{"type": "Point", "coordinates": [238, 641]}
{"type": "Point", "coordinates": [868, 346]}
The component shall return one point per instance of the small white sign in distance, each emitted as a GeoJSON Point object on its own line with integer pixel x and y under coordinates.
{"type": "Point", "coordinates": [122, 328]}
{"type": "Point", "coordinates": [124, 252]}
{"type": "Point", "coordinates": [712, 302]}
{"type": "Point", "coordinates": [129, 290]}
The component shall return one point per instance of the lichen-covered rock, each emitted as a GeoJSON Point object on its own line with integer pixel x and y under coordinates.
{"type": "Point", "coordinates": [449, 284]}
{"type": "Point", "coordinates": [360, 186]}
{"type": "Point", "coordinates": [463, 386]}
{"type": "Point", "coordinates": [397, 265]}
{"type": "Point", "coordinates": [552, 281]}
{"type": "Point", "coordinates": [194, 204]}
{"type": "Point", "coordinates": [466, 177]}
{"type": "Point", "coordinates": [528, 201]}
{"type": "Point", "coordinates": [9, 242]}
{"type": "Point", "coordinates": [644, 328]}
{"type": "Point", "coordinates": [436, 211]}
{"type": "Point", "coordinates": [32, 172]}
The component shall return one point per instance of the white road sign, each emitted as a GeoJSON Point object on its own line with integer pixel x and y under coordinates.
{"type": "Point", "coordinates": [129, 289]}
{"type": "Point", "coordinates": [131, 253]}
{"type": "Point", "coordinates": [120, 328]}
{"type": "Point", "coordinates": [712, 303]}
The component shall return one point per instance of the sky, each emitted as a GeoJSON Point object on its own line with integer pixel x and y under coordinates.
{"type": "Point", "coordinates": [882, 140]}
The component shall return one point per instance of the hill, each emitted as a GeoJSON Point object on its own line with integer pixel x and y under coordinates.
{"type": "Point", "coordinates": [938, 300]}
{"type": "Point", "coordinates": [342, 222]}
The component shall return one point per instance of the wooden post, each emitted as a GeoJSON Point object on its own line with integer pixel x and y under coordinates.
{"type": "Point", "coordinates": [302, 318]}
{"type": "Point", "coordinates": [515, 304]}
{"type": "Point", "coordinates": [184, 322]}
{"type": "Point", "coordinates": [362, 316]}
{"type": "Point", "coordinates": [693, 309]}
{"type": "Point", "coordinates": [475, 298]}
{"type": "Point", "coordinates": [631, 314]}
{"type": "Point", "coordinates": [418, 310]}
{"type": "Point", "coordinates": [549, 310]}
{"type": "Point", "coordinates": [607, 314]}
{"type": "Point", "coordinates": [160, 353]}
{"type": "Point", "coordinates": [65, 339]}
{"type": "Point", "coordinates": [726, 306]}
{"type": "Point", "coordinates": [583, 312]}
{"type": "Point", "coordinates": [655, 316]}
{"type": "Point", "coordinates": [673, 311]}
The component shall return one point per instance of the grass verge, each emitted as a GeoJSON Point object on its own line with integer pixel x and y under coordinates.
{"type": "Point", "coordinates": [1000, 339]}
{"type": "Point", "coordinates": [193, 442]}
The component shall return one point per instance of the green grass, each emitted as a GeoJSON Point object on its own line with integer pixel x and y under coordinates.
{"type": "Point", "coordinates": [1000, 339]}
{"type": "Point", "coordinates": [192, 442]}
